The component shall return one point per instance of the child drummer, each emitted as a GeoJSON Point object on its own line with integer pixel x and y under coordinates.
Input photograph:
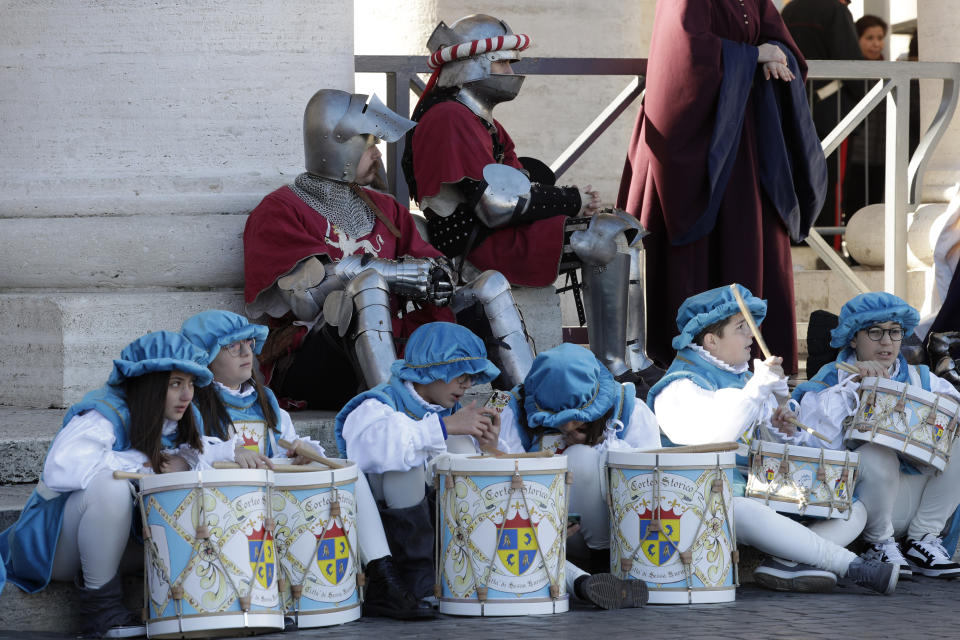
{"type": "Point", "coordinates": [899, 498]}
{"type": "Point", "coordinates": [394, 429]}
{"type": "Point", "coordinates": [709, 396]}
{"type": "Point", "coordinates": [569, 402]}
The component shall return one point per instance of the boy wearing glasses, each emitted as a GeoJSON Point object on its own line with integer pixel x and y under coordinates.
{"type": "Point", "coordinates": [900, 499]}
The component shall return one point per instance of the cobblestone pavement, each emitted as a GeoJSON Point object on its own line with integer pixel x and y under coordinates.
{"type": "Point", "coordinates": [921, 609]}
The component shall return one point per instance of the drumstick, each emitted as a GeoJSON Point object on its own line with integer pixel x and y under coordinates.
{"type": "Point", "coordinates": [128, 475]}
{"type": "Point", "coordinates": [307, 452]}
{"type": "Point", "coordinates": [849, 368]}
{"type": "Point", "coordinates": [697, 448]}
{"type": "Point", "coordinates": [767, 355]}
{"type": "Point", "coordinates": [280, 468]}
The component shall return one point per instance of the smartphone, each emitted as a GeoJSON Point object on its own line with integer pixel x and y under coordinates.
{"type": "Point", "coordinates": [572, 519]}
{"type": "Point", "coordinates": [497, 401]}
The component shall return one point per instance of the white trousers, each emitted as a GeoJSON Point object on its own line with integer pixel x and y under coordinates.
{"type": "Point", "coordinates": [899, 503]}
{"type": "Point", "coordinates": [95, 533]}
{"type": "Point", "coordinates": [588, 497]}
{"type": "Point", "coordinates": [760, 526]}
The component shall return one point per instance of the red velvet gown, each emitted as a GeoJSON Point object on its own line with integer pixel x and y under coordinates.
{"type": "Point", "coordinates": [665, 180]}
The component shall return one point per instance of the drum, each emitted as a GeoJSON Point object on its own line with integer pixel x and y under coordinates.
{"type": "Point", "coordinates": [916, 423]}
{"type": "Point", "coordinates": [672, 525]}
{"type": "Point", "coordinates": [209, 554]}
{"type": "Point", "coordinates": [501, 535]}
{"type": "Point", "coordinates": [807, 481]}
{"type": "Point", "coordinates": [317, 549]}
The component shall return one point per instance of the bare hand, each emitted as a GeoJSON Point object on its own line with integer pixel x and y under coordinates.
{"type": "Point", "coordinates": [778, 71]}
{"type": "Point", "coordinates": [572, 528]}
{"type": "Point", "coordinates": [488, 441]}
{"type": "Point", "coordinates": [771, 53]}
{"type": "Point", "coordinates": [871, 368]}
{"type": "Point", "coordinates": [251, 459]}
{"type": "Point", "coordinates": [296, 457]}
{"type": "Point", "coordinates": [173, 464]}
{"type": "Point", "coordinates": [589, 201]}
{"type": "Point", "coordinates": [781, 421]}
{"type": "Point", "coordinates": [471, 420]}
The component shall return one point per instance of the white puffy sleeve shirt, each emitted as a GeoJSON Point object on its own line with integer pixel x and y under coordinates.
{"type": "Point", "coordinates": [380, 438]}
{"type": "Point", "coordinates": [83, 448]}
{"type": "Point", "coordinates": [691, 414]}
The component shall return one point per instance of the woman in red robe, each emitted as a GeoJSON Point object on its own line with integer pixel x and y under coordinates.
{"type": "Point", "coordinates": [724, 166]}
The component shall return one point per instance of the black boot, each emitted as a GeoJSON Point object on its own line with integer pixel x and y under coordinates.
{"type": "Point", "coordinates": [104, 614]}
{"type": "Point", "coordinates": [410, 536]}
{"type": "Point", "coordinates": [386, 596]}
{"type": "Point", "coordinates": [610, 592]}
{"type": "Point", "coordinates": [939, 348]}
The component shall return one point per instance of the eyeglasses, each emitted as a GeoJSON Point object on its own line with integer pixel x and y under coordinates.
{"type": "Point", "coordinates": [876, 333]}
{"type": "Point", "coordinates": [236, 348]}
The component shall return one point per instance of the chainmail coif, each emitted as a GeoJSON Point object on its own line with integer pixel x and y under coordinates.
{"type": "Point", "coordinates": [336, 202]}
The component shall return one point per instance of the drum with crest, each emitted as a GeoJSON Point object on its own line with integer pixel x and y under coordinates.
{"type": "Point", "coordinates": [210, 559]}
{"type": "Point", "coordinates": [316, 538]}
{"type": "Point", "coordinates": [671, 521]}
{"type": "Point", "coordinates": [501, 534]}
{"type": "Point", "coordinates": [917, 424]}
{"type": "Point", "coordinates": [807, 481]}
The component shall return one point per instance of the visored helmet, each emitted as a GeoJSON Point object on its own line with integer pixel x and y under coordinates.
{"type": "Point", "coordinates": [338, 127]}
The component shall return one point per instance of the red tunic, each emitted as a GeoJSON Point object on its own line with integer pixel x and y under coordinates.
{"type": "Point", "coordinates": [449, 144]}
{"type": "Point", "coordinates": [665, 181]}
{"type": "Point", "coordinates": [283, 230]}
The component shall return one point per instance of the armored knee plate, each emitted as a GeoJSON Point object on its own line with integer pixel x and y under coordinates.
{"type": "Point", "coordinates": [508, 347]}
{"type": "Point", "coordinates": [361, 313]}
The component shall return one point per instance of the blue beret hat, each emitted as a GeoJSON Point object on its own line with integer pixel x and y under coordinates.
{"type": "Point", "coordinates": [444, 351]}
{"type": "Point", "coordinates": [704, 309]}
{"type": "Point", "coordinates": [161, 351]}
{"type": "Point", "coordinates": [868, 309]}
{"type": "Point", "coordinates": [568, 383]}
{"type": "Point", "coordinates": [211, 330]}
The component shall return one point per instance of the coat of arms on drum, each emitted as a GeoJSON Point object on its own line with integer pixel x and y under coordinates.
{"type": "Point", "coordinates": [659, 535]}
{"type": "Point", "coordinates": [333, 554]}
{"type": "Point", "coordinates": [260, 548]}
{"type": "Point", "coordinates": [517, 547]}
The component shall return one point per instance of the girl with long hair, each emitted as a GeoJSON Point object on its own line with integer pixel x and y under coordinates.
{"type": "Point", "coordinates": [76, 526]}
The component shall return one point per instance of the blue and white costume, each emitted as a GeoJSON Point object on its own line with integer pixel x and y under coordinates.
{"type": "Point", "coordinates": [899, 498]}
{"type": "Point", "coordinates": [392, 432]}
{"type": "Point", "coordinates": [79, 516]}
{"type": "Point", "coordinates": [568, 383]}
{"type": "Point", "coordinates": [212, 330]}
{"type": "Point", "coordinates": [704, 400]}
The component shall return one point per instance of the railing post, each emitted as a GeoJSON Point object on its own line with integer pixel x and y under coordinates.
{"type": "Point", "coordinates": [398, 99]}
{"type": "Point", "coordinates": [895, 190]}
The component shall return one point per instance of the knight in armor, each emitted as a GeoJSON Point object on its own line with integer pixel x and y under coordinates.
{"type": "Point", "coordinates": [342, 270]}
{"type": "Point", "coordinates": [483, 203]}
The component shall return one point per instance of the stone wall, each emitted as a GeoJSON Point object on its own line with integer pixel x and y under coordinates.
{"type": "Point", "coordinates": [136, 138]}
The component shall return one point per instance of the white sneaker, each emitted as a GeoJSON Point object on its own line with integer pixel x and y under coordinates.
{"type": "Point", "coordinates": [888, 551]}
{"type": "Point", "coordinates": [928, 557]}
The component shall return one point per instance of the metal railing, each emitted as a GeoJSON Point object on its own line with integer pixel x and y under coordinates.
{"type": "Point", "coordinates": [903, 177]}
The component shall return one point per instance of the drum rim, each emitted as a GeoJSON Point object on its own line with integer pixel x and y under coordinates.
{"type": "Point", "coordinates": [698, 460]}
{"type": "Point", "coordinates": [210, 477]}
{"type": "Point", "coordinates": [772, 449]}
{"type": "Point", "coordinates": [913, 393]}
{"type": "Point", "coordinates": [471, 464]}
